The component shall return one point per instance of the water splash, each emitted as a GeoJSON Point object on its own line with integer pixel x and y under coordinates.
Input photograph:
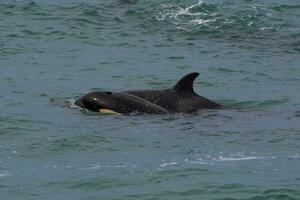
{"type": "Point", "coordinates": [71, 104]}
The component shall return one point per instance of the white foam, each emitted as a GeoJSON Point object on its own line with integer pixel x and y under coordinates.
{"type": "Point", "coordinates": [200, 162]}
{"type": "Point", "coordinates": [72, 104]}
{"type": "Point", "coordinates": [294, 156]}
{"type": "Point", "coordinates": [167, 164]}
{"type": "Point", "coordinates": [200, 21]}
{"type": "Point", "coordinates": [176, 15]}
{"type": "Point", "coordinates": [4, 175]}
{"type": "Point", "coordinates": [222, 159]}
{"type": "Point", "coordinates": [99, 166]}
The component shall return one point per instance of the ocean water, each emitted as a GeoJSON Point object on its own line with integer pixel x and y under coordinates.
{"type": "Point", "coordinates": [248, 56]}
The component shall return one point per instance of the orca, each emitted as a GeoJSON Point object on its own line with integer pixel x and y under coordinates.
{"type": "Point", "coordinates": [118, 102]}
{"type": "Point", "coordinates": [180, 98]}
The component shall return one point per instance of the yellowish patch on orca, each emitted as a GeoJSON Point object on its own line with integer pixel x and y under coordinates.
{"type": "Point", "coordinates": [107, 111]}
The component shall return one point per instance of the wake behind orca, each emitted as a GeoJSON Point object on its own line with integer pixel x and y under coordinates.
{"type": "Point", "coordinates": [181, 98]}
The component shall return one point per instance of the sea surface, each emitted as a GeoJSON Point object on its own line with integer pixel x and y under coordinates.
{"type": "Point", "coordinates": [247, 53]}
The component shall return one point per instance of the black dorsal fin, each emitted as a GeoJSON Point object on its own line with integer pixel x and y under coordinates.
{"type": "Point", "coordinates": [186, 83]}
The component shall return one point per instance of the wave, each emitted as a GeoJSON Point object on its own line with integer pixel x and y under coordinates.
{"type": "Point", "coordinates": [287, 8]}
{"type": "Point", "coordinates": [219, 17]}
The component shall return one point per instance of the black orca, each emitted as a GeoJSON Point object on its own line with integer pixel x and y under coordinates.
{"type": "Point", "coordinates": [180, 98]}
{"type": "Point", "coordinates": [118, 102]}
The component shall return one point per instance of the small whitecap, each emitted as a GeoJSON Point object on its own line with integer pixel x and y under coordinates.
{"type": "Point", "coordinates": [294, 156]}
{"type": "Point", "coordinates": [4, 174]}
{"type": "Point", "coordinates": [200, 21]}
{"type": "Point", "coordinates": [224, 159]}
{"type": "Point", "coordinates": [98, 166]}
{"type": "Point", "coordinates": [221, 158]}
{"type": "Point", "coordinates": [167, 164]}
{"type": "Point", "coordinates": [200, 162]}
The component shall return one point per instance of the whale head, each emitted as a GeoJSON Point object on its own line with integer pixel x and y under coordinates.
{"type": "Point", "coordinates": [102, 102]}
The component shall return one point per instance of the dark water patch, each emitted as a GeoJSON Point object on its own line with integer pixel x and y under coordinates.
{"type": "Point", "coordinates": [296, 46]}
{"type": "Point", "coordinates": [30, 32]}
{"type": "Point", "coordinates": [19, 130]}
{"type": "Point", "coordinates": [228, 71]}
{"type": "Point", "coordinates": [128, 1]}
{"type": "Point", "coordinates": [176, 57]}
{"type": "Point", "coordinates": [57, 146]}
{"type": "Point", "coordinates": [249, 79]}
{"type": "Point", "coordinates": [272, 102]}
{"type": "Point", "coordinates": [183, 67]}
{"type": "Point", "coordinates": [12, 35]}
{"type": "Point", "coordinates": [231, 186]}
{"type": "Point", "coordinates": [18, 92]}
{"type": "Point", "coordinates": [83, 22]}
{"type": "Point", "coordinates": [297, 114]}
{"type": "Point", "coordinates": [99, 183]}
{"type": "Point", "coordinates": [261, 74]}
{"type": "Point", "coordinates": [131, 13]}
{"type": "Point", "coordinates": [169, 174]}
{"type": "Point", "coordinates": [90, 12]}
{"type": "Point", "coordinates": [214, 115]}
{"type": "Point", "coordinates": [97, 89]}
{"type": "Point", "coordinates": [116, 76]}
{"type": "Point", "coordinates": [88, 69]}
{"type": "Point", "coordinates": [18, 118]}
{"type": "Point", "coordinates": [287, 8]}
{"type": "Point", "coordinates": [56, 33]}
{"type": "Point", "coordinates": [11, 51]}
{"type": "Point", "coordinates": [31, 5]}
{"type": "Point", "coordinates": [287, 191]}
{"type": "Point", "coordinates": [33, 8]}
{"type": "Point", "coordinates": [7, 6]}
{"type": "Point", "coordinates": [119, 20]}
{"type": "Point", "coordinates": [64, 144]}
{"type": "Point", "coordinates": [274, 197]}
{"type": "Point", "coordinates": [252, 104]}
{"type": "Point", "coordinates": [180, 194]}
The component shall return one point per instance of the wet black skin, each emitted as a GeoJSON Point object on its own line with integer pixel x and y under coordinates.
{"type": "Point", "coordinates": [180, 98]}
{"type": "Point", "coordinates": [118, 102]}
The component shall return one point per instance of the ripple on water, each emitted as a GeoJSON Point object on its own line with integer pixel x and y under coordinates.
{"type": "Point", "coordinates": [297, 113]}
{"type": "Point", "coordinates": [214, 17]}
{"type": "Point", "coordinates": [4, 174]}
{"type": "Point", "coordinates": [253, 104]}
{"type": "Point", "coordinates": [287, 8]}
{"type": "Point", "coordinates": [248, 25]}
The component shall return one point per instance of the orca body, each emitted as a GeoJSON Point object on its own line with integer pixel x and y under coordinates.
{"type": "Point", "coordinates": [118, 102]}
{"type": "Point", "coordinates": [179, 99]}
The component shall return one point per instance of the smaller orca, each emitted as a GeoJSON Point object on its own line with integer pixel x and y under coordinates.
{"type": "Point", "coordinates": [180, 98]}
{"type": "Point", "coordinates": [118, 102]}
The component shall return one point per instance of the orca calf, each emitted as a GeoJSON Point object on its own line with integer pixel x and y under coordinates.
{"type": "Point", "coordinates": [118, 102]}
{"type": "Point", "coordinates": [179, 99]}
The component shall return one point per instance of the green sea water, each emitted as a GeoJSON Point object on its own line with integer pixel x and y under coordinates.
{"type": "Point", "coordinates": [248, 56]}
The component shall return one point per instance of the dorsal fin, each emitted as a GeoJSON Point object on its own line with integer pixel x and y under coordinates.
{"type": "Point", "coordinates": [186, 83]}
